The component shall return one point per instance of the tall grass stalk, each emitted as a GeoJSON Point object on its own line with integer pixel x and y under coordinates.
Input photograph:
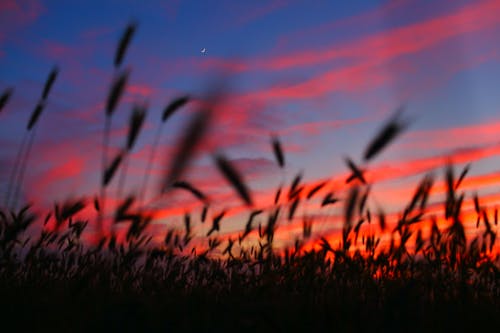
{"type": "Point", "coordinates": [104, 162]}
{"type": "Point", "coordinates": [22, 171]}
{"type": "Point", "coordinates": [169, 110]}
{"type": "Point", "coordinates": [15, 171]}
{"type": "Point", "coordinates": [149, 165]}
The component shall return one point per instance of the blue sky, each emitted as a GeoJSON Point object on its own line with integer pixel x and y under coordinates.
{"type": "Point", "coordinates": [322, 76]}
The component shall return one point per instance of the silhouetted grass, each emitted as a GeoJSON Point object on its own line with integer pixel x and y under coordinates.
{"type": "Point", "coordinates": [55, 280]}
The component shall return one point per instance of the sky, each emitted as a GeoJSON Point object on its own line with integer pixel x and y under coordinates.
{"type": "Point", "coordinates": [323, 76]}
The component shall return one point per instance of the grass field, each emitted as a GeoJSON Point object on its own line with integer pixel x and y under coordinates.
{"type": "Point", "coordinates": [415, 275]}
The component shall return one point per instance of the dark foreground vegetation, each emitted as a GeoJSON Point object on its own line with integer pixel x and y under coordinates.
{"type": "Point", "coordinates": [53, 280]}
{"type": "Point", "coordinates": [135, 288]}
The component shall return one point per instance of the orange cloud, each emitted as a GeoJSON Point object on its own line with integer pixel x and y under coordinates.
{"type": "Point", "coordinates": [398, 169]}
{"type": "Point", "coordinates": [446, 138]}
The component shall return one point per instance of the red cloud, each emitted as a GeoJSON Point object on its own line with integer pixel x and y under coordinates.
{"type": "Point", "coordinates": [446, 138]}
{"type": "Point", "coordinates": [406, 168]}
{"type": "Point", "coordinates": [409, 39]}
{"type": "Point", "coordinates": [368, 56]}
{"type": "Point", "coordinates": [15, 15]}
{"type": "Point", "coordinates": [142, 90]}
{"type": "Point", "coordinates": [313, 128]}
{"type": "Point", "coordinates": [22, 12]}
{"type": "Point", "coordinates": [398, 169]}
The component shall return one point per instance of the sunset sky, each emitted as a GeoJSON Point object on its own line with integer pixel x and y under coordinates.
{"type": "Point", "coordinates": [323, 76]}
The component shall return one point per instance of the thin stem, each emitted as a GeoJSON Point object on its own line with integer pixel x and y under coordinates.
{"type": "Point", "coordinates": [24, 163]}
{"type": "Point", "coordinates": [105, 143]}
{"type": "Point", "coordinates": [123, 173]}
{"type": "Point", "coordinates": [150, 164]}
{"type": "Point", "coordinates": [15, 170]}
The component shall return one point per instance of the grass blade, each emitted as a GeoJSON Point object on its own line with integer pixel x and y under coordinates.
{"type": "Point", "coordinates": [136, 120]}
{"type": "Point", "coordinates": [352, 199]}
{"type": "Point", "coordinates": [187, 146]}
{"type": "Point", "coordinates": [357, 173]}
{"type": "Point", "coordinates": [175, 105]}
{"type": "Point", "coordinates": [5, 97]}
{"type": "Point", "coordinates": [116, 91]}
{"type": "Point", "coordinates": [293, 208]}
{"type": "Point", "coordinates": [49, 83]}
{"type": "Point", "coordinates": [278, 151]}
{"type": "Point", "coordinates": [388, 132]}
{"type": "Point", "coordinates": [234, 178]}
{"type": "Point", "coordinates": [111, 170]}
{"type": "Point", "coordinates": [462, 176]}
{"type": "Point", "coordinates": [123, 44]}
{"type": "Point", "coordinates": [190, 188]}
{"type": "Point", "coordinates": [329, 199]}
{"type": "Point", "coordinates": [35, 115]}
{"type": "Point", "coordinates": [315, 189]}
